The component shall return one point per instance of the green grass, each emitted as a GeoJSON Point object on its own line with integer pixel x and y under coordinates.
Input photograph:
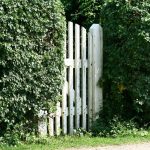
{"type": "Point", "coordinates": [76, 142]}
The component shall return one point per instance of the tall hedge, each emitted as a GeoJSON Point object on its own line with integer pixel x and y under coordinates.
{"type": "Point", "coordinates": [126, 76]}
{"type": "Point", "coordinates": [31, 60]}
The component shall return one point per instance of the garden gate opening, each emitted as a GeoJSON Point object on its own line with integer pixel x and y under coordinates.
{"type": "Point", "coordinates": [82, 95]}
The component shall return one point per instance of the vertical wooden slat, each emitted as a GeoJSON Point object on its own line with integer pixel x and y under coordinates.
{"type": "Point", "coordinates": [64, 101]}
{"type": "Point", "coordinates": [83, 49]}
{"type": "Point", "coordinates": [70, 84]}
{"type": "Point", "coordinates": [57, 123]}
{"type": "Point", "coordinates": [90, 104]}
{"type": "Point", "coordinates": [77, 75]}
{"type": "Point", "coordinates": [96, 32]}
{"type": "Point", "coordinates": [51, 125]}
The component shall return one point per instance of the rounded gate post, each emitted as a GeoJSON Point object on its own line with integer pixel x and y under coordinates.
{"type": "Point", "coordinates": [95, 44]}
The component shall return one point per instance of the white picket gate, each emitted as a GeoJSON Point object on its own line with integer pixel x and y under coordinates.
{"type": "Point", "coordinates": [82, 96]}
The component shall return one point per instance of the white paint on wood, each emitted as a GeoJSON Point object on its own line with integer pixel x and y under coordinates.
{"type": "Point", "coordinates": [42, 123]}
{"type": "Point", "coordinates": [97, 49]}
{"type": "Point", "coordinates": [51, 125]}
{"type": "Point", "coordinates": [90, 82]}
{"type": "Point", "coordinates": [73, 112]}
{"type": "Point", "coordinates": [71, 62]}
{"type": "Point", "coordinates": [77, 75]}
{"type": "Point", "coordinates": [64, 108]}
{"type": "Point", "coordinates": [83, 50]}
{"type": "Point", "coordinates": [57, 123]}
{"type": "Point", "coordinates": [70, 84]}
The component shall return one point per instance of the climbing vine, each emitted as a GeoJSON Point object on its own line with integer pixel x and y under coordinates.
{"type": "Point", "coordinates": [31, 61]}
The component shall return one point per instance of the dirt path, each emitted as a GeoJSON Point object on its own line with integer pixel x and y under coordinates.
{"type": "Point", "coordinates": [143, 146]}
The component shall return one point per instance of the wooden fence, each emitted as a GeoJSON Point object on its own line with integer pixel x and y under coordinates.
{"type": "Point", "coordinates": [82, 97]}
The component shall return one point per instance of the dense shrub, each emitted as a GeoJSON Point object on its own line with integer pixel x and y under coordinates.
{"type": "Point", "coordinates": [31, 60]}
{"type": "Point", "coordinates": [126, 76]}
{"type": "Point", "coordinates": [117, 127]}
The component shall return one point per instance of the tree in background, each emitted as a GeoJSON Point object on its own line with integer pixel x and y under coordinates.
{"type": "Point", "coordinates": [82, 12]}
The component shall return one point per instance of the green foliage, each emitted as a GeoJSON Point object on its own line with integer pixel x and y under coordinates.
{"type": "Point", "coordinates": [126, 78]}
{"type": "Point", "coordinates": [82, 12]}
{"type": "Point", "coordinates": [117, 127]}
{"type": "Point", "coordinates": [31, 60]}
{"type": "Point", "coordinates": [69, 142]}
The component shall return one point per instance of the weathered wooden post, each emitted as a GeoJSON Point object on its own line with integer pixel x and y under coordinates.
{"type": "Point", "coordinates": [42, 123]}
{"type": "Point", "coordinates": [95, 71]}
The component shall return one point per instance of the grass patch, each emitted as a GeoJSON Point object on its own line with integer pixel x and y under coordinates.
{"type": "Point", "coordinates": [63, 142]}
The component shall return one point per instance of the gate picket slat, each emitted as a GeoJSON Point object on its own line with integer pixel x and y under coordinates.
{"type": "Point", "coordinates": [57, 123]}
{"type": "Point", "coordinates": [77, 76]}
{"type": "Point", "coordinates": [51, 125]}
{"type": "Point", "coordinates": [96, 45]}
{"type": "Point", "coordinates": [83, 49]}
{"type": "Point", "coordinates": [64, 100]}
{"type": "Point", "coordinates": [64, 109]}
{"type": "Point", "coordinates": [70, 84]}
{"type": "Point", "coordinates": [90, 83]}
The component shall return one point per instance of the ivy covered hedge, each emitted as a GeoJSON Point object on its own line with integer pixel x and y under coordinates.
{"type": "Point", "coordinates": [31, 60]}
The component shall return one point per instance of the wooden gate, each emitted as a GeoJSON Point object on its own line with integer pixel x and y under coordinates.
{"type": "Point", "coordinates": [82, 96]}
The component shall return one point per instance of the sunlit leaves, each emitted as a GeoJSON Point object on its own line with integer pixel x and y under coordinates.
{"type": "Point", "coordinates": [31, 58]}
